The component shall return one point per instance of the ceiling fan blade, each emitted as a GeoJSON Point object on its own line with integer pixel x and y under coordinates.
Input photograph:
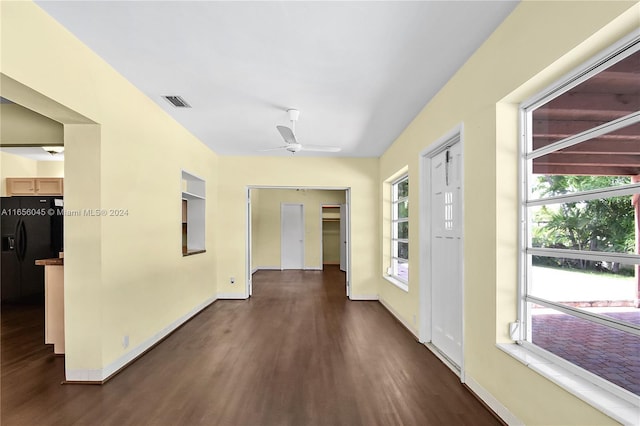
{"type": "Point", "coordinates": [273, 149]}
{"type": "Point", "coordinates": [321, 148]}
{"type": "Point", "coordinates": [287, 134]}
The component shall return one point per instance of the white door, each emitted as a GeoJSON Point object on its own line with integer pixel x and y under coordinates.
{"type": "Point", "coordinates": [343, 237]}
{"type": "Point", "coordinates": [446, 252]}
{"type": "Point", "coordinates": [292, 236]}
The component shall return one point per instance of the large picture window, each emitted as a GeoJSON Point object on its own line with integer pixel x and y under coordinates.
{"type": "Point", "coordinates": [580, 216]}
{"type": "Point", "coordinates": [400, 229]}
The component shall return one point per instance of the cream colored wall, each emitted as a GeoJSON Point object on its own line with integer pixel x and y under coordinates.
{"type": "Point", "coordinates": [50, 168]}
{"type": "Point", "coordinates": [21, 126]}
{"type": "Point", "coordinates": [266, 211]}
{"type": "Point", "coordinates": [15, 166]}
{"type": "Point", "coordinates": [331, 243]}
{"type": "Point", "coordinates": [359, 174]}
{"type": "Point", "coordinates": [124, 275]}
{"type": "Point", "coordinates": [536, 45]}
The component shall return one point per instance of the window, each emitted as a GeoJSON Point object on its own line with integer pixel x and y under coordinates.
{"type": "Point", "coordinates": [580, 213]}
{"type": "Point", "coordinates": [400, 229]}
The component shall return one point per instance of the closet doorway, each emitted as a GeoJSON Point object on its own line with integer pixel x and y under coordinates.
{"type": "Point", "coordinates": [334, 235]}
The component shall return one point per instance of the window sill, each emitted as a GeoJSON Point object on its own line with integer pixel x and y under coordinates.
{"type": "Point", "coordinates": [192, 252]}
{"type": "Point", "coordinates": [614, 406]}
{"type": "Point", "coordinates": [393, 280]}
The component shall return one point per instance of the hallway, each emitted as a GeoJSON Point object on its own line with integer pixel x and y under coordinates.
{"type": "Point", "coordinates": [296, 353]}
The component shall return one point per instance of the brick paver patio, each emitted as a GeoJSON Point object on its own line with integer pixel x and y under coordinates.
{"type": "Point", "coordinates": [609, 353]}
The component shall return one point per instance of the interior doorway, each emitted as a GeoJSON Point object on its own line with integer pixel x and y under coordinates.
{"type": "Point", "coordinates": [286, 230]}
{"type": "Point", "coordinates": [331, 241]}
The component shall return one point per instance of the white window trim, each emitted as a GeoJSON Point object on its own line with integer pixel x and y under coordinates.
{"type": "Point", "coordinates": [567, 376]}
{"type": "Point", "coordinates": [603, 395]}
{"type": "Point", "coordinates": [391, 275]}
{"type": "Point", "coordinates": [397, 282]}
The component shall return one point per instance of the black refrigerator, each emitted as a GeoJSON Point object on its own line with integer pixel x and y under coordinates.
{"type": "Point", "coordinates": [31, 229]}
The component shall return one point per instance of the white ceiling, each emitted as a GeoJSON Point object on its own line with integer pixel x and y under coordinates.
{"type": "Point", "coordinates": [33, 153]}
{"type": "Point", "coordinates": [359, 72]}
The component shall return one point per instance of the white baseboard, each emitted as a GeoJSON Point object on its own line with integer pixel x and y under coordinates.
{"type": "Point", "coordinates": [450, 364]}
{"type": "Point", "coordinates": [507, 416]}
{"type": "Point", "coordinates": [363, 297]}
{"type": "Point", "coordinates": [232, 296]}
{"type": "Point", "coordinates": [266, 268]}
{"type": "Point", "coordinates": [84, 375]}
{"type": "Point", "coordinates": [399, 318]}
{"type": "Point", "coordinates": [98, 375]}
{"type": "Point", "coordinates": [502, 411]}
{"type": "Point", "coordinates": [277, 268]}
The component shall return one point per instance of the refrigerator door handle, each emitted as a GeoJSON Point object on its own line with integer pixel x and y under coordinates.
{"type": "Point", "coordinates": [23, 240]}
{"type": "Point", "coordinates": [17, 241]}
{"type": "Point", "coordinates": [20, 240]}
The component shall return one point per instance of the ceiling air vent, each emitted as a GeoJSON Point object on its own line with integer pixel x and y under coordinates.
{"type": "Point", "coordinates": [177, 101]}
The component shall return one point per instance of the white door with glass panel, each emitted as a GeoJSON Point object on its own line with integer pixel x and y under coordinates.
{"type": "Point", "coordinates": [446, 252]}
{"type": "Point", "coordinates": [292, 236]}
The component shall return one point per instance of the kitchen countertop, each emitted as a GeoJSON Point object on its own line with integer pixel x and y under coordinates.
{"type": "Point", "coordinates": [50, 262]}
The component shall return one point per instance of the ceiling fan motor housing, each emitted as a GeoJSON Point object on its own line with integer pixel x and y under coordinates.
{"type": "Point", "coordinates": [293, 114]}
{"type": "Point", "coordinates": [294, 147]}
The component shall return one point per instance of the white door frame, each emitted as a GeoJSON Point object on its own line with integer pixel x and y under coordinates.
{"type": "Point", "coordinates": [248, 247]}
{"type": "Point", "coordinates": [344, 240]}
{"type": "Point", "coordinates": [454, 136]}
{"type": "Point", "coordinates": [347, 252]}
{"type": "Point", "coordinates": [282, 241]}
{"type": "Point", "coordinates": [248, 230]}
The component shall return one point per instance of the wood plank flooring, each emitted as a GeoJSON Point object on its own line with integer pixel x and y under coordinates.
{"type": "Point", "coordinates": [296, 353]}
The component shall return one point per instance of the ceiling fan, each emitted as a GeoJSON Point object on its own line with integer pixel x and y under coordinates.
{"type": "Point", "coordinates": [292, 145]}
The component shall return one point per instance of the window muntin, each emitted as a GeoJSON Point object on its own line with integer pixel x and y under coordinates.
{"type": "Point", "coordinates": [602, 225]}
{"type": "Point", "coordinates": [581, 152]}
{"type": "Point", "coordinates": [400, 229]}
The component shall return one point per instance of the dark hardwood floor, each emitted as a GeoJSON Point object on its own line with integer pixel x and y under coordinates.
{"type": "Point", "coordinates": [296, 353]}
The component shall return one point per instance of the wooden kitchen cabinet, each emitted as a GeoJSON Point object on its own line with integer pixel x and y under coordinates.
{"type": "Point", "coordinates": [35, 186]}
{"type": "Point", "coordinates": [21, 186]}
{"type": "Point", "coordinates": [49, 186]}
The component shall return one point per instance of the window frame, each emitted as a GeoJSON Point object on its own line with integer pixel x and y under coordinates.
{"type": "Point", "coordinates": [395, 220]}
{"type": "Point", "coordinates": [523, 336]}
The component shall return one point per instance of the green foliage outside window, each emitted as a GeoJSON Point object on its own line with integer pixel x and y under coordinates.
{"type": "Point", "coordinates": [606, 224]}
